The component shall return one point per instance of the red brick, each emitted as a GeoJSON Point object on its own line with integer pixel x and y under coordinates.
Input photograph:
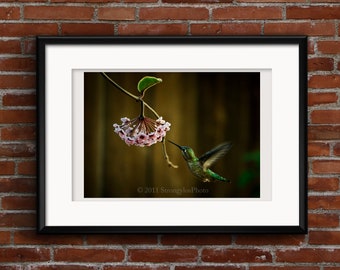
{"type": "Point", "coordinates": [311, 47]}
{"type": "Point", "coordinates": [323, 220]}
{"type": "Point", "coordinates": [325, 117]}
{"type": "Point", "coordinates": [19, 203]}
{"type": "Point", "coordinates": [226, 28]}
{"type": "Point", "coordinates": [336, 149]}
{"type": "Point", "coordinates": [332, 268]}
{"type": "Point", "coordinates": [27, 29]}
{"type": "Point", "coordinates": [173, 13]}
{"type": "Point", "coordinates": [17, 116]}
{"type": "Point", "coordinates": [314, 12]}
{"type": "Point", "coordinates": [300, 28]}
{"type": "Point", "coordinates": [122, 239]}
{"type": "Point", "coordinates": [58, 12]}
{"type": "Point", "coordinates": [220, 255]}
{"type": "Point", "coordinates": [7, 167]}
{"type": "Point", "coordinates": [34, 1]}
{"type": "Point", "coordinates": [153, 29]}
{"type": "Point", "coordinates": [247, 13]}
{"type": "Point", "coordinates": [324, 237]}
{"type": "Point", "coordinates": [27, 168]}
{"type": "Point", "coordinates": [13, 133]}
{"type": "Point", "coordinates": [324, 81]}
{"type": "Point", "coordinates": [323, 184]}
{"type": "Point", "coordinates": [195, 239]}
{"type": "Point", "coordinates": [272, 1]}
{"type": "Point", "coordinates": [88, 255]}
{"type": "Point", "coordinates": [18, 185]}
{"type": "Point", "coordinates": [17, 64]}
{"type": "Point", "coordinates": [318, 149]}
{"type": "Point", "coordinates": [5, 237]}
{"type": "Point", "coordinates": [196, 1]}
{"type": "Point", "coordinates": [324, 132]}
{"type": "Point", "coordinates": [62, 267]}
{"type": "Point", "coordinates": [85, 1]}
{"type": "Point", "coordinates": [226, 267]}
{"type": "Point", "coordinates": [153, 267]}
{"type": "Point", "coordinates": [29, 46]}
{"type": "Point", "coordinates": [284, 267]}
{"type": "Point", "coordinates": [87, 29]}
{"type": "Point", "coordinates": [326, 166]}
{"type": "Point", "coordinates": [17, 150]}
{"type": "Point", "coordinates": [310, 255]}
{"type": "Point", "coordinates": [139, 1]}
{"type": "Point", "coordinates": [10, 46]}
{"type": "Point", "coordinates": [116, 13]}
{"type": "Point", "coordinates": [9, 13]}
{"type": "Point", "coordinates": [261, 240]}
{"type": "Point", "coordinates": [24, 254]}
{"type": "Point", "coordinates": [30, 237]}
{"type": "Point", "coordinates": [324, 202]}
{"type": "Point", "coordinates": [163, 255]}
{"type": "Point", "coordinates": [320, 64]}
{"type": "Point", "coordinates": [19, 100]}
{"type": "Point", "coordinates": [322, 98]}
{"type": "Point", "coordinates": [17, 220]}
{"type": "Point", "coordinates": [329, 47]}
{"type": "Point", "coordinates": [17, 81]}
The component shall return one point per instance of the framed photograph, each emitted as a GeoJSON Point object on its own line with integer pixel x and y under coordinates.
{"type": "Point", "coordinates": [172, 134]}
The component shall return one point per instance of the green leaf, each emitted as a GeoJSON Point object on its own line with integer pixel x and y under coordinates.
{"type": "Point", "coordinates": [147, 82]}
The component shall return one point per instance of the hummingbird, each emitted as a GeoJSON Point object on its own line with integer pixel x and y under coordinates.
{"type": "Point", "coordinates": [199, 166]}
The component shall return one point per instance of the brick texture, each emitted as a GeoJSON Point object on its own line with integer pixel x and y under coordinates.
{"type": "Point", "coordinates": [21, 248]}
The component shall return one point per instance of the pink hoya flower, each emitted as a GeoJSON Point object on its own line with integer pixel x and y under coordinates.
{"type": "Point", "coordinates": [142, 131]}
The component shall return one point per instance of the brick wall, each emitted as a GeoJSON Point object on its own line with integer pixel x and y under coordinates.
{"type": "Point", "coordinates": [22, 248]}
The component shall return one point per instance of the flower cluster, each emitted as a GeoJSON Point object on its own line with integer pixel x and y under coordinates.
{"type": "Point", "coordinates": [142, 131]}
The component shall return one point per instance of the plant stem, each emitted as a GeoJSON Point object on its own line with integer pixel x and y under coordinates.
{"type": "Point", "coordinates": [149, 107]}
{"type": "Point", "coordinates": [167, 157]}
{"type": "Point", "coordinates": [142, 109]}
{"type": "Point", "coordinates": [137, 98]}
{"type": "Point", "coordinates": [119, 87]}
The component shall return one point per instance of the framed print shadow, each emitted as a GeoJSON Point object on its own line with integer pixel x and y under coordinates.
{"type": "Point", "coordinates": [172, 134]}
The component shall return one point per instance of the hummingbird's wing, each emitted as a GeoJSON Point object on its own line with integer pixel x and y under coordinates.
{"type": "Point", "coordinates": [210, 157]}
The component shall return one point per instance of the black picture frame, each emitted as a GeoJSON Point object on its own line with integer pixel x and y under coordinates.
{"type": "Point", "coordinates": [46, 128]}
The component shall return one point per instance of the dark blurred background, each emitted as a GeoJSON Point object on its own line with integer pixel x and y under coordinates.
{"type": "Point", "coordinates": [204, 109]}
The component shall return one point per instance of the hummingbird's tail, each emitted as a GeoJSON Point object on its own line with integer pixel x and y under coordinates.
{"type": "Point", "coordinates": [218, 177]}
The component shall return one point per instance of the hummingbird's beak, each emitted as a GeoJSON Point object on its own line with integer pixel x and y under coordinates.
{"type": "Point", "coordinates": [180, 147]}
